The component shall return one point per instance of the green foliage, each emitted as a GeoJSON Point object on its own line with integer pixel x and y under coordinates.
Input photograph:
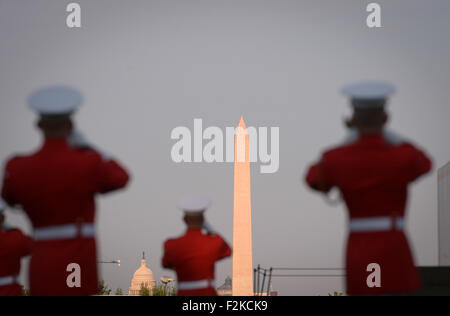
{"type": "Point", "coordinates": [157, 290]}
{"type": "Point", "coordinates": [336, 294]}
{"type": "Point", "coordinates": [164, 290]}
{"type": "Point", "coordinates": [103, 289]}
{"type": "Point", "coordinates": [144, 291]}
{"type": "Point", "coordinates": [119, 292]}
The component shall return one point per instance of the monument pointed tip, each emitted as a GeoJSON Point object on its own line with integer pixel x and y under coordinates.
{"type": "Point", "coordinates": [242, 122]}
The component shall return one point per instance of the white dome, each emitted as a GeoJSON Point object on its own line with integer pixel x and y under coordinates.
{"type": "Point", "coordinates": [143, 272]}
{"type": "Point", "coordinates": [142, 276]}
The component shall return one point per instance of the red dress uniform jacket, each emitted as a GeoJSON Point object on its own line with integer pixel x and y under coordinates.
{"type": "Point", "coordinates": [193, 257]}
{"type": "Point", "coordinates": [13, 246]}
{"type": "Point", "coordinates": [56, 186]}
{"type": "Point", "coordinates": [373, 178]}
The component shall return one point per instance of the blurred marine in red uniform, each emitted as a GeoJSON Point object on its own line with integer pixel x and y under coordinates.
{"type": "Point", "coordinates": [372, 170]}
{"type": "Point", "coordinates": [193, 256]}
{"type": "Point", "coordinates": [13, 246]}
{"type": "Point", "coordinates": [56, 187]}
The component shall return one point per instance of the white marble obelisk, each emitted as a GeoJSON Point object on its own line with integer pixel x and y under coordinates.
{"type": "Point", "coordinates": [242, 219]}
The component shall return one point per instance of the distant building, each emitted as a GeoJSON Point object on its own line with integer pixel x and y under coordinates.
{"type": "Point", "coordinates": [142, 277]}
{"type": "Point", "coordinates": [444, 215]}
{"type": "Point", "coordinates": [271, 292]}
{"type": "Point", "coordinates": [226, 288]}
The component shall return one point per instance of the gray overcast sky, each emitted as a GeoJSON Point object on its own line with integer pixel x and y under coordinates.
{"type": "Point", "coordinates": [146, 67]}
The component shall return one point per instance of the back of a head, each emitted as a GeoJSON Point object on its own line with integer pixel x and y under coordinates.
{"type": "Point", "coordinates": [56, 126]}
{"type": "Point", "coordinates": [370, 118]}
{"type": "Point", "coordinates": [194, 207]}
{"type": "Point", "coordinates": [55, 105]}
{"type": "Point", "coordinates": [368, 100]}
{"type": "Point", "coordinates": [194, 220]}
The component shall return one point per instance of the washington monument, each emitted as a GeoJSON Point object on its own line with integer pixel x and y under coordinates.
{"type": "Point", "coordinates": [242, 219]}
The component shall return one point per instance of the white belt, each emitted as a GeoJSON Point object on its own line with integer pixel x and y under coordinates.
{"type": "Point", "coordinates": [70, 231]}
{"type": "Point", "coordinates": [376, 224]}
{"type": "Point", "coordinates": [196, 285]}
{"type": "Point", "coordinates": [8, 280]}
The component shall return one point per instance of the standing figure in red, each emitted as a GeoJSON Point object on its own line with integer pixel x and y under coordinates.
{"type": "Point", "coordinates": [56, 187]}
{"type": "Point", "coordinates": [372, 170]}
{"type": "Point", "coordinates": [13, 246]}
{"type": "Point", "coordinates": [193, 256]}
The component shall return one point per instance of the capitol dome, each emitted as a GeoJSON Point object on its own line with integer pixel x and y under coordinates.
{"type": "Point", "coordinates": [142, 276]}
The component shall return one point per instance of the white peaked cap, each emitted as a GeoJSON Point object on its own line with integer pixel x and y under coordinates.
{"type": "Point", "coordinates": [194, 204]}
{"type": "Point", "coordinates": [369, 90]}
{"type": "Point", "coordinates": [55, 100]}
